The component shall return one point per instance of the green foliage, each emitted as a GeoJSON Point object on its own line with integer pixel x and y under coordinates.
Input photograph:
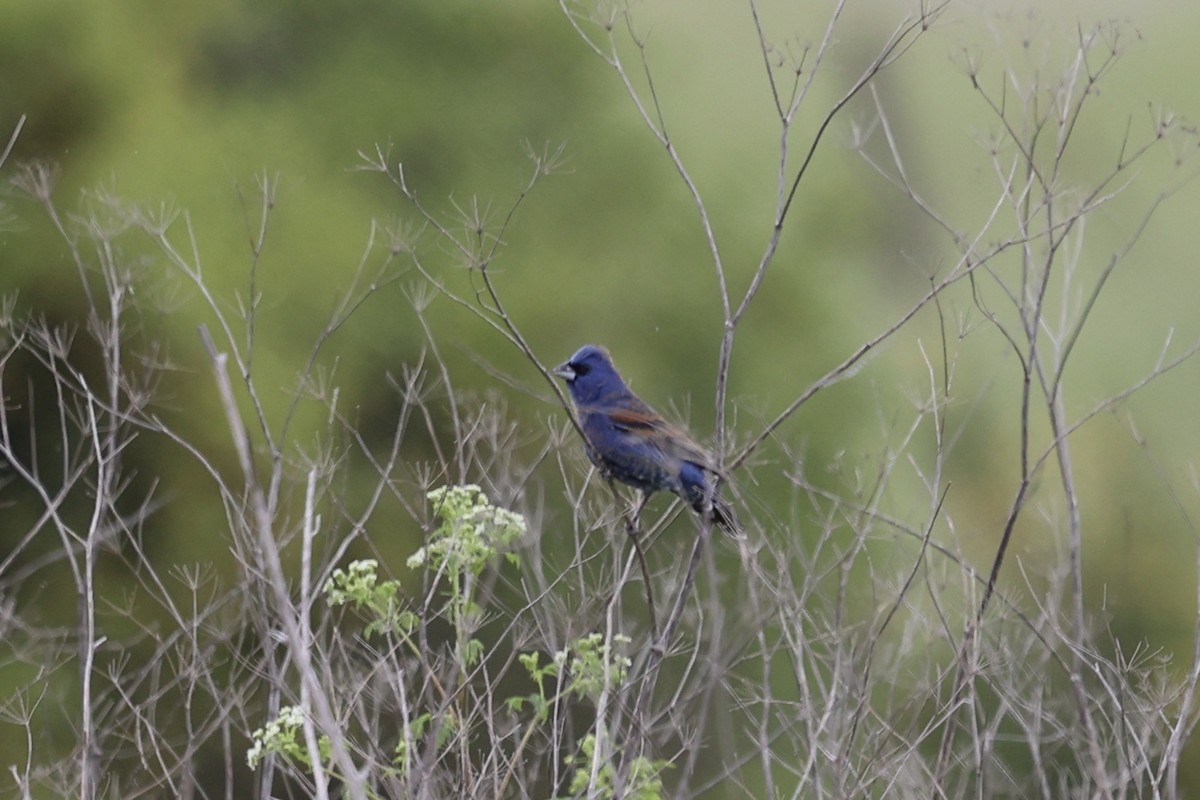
{"type": "Point", "coordinates": [644, 783]}
{"type": "Point", "coordinates": [538, 700]}
{"type": "Point", "coordinates": [592, 665]}
{"type": "Point", "coordinates": [360, 586]}
{"type": "Point", "coordinates": [472, 532]}
{"type": "Point", "coordinates": [445, 729]}
{"type": "Point", "coordinates": [280, 737]}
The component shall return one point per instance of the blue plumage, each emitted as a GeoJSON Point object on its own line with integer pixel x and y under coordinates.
{"type": "Point", "coordinates": [630, 442]}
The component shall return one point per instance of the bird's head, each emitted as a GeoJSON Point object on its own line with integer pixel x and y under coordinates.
{"type": "Point", "coordinates": [590, 374]}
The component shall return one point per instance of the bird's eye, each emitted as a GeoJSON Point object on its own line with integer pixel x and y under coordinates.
{"type": "Point", "coordinates": [581, 369]}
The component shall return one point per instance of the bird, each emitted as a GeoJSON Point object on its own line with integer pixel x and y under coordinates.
{"type": "Point", "coordinates": [630, 442]}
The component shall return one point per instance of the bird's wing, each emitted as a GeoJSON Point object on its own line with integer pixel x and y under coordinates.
{"type": "Point", "coordinates": [639, 421]}
{"type": "Point", "coordinates": [648, 425]}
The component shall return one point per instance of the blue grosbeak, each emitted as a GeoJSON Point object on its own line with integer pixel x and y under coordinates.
{"type": "Point", "coordinates": [630, 442]}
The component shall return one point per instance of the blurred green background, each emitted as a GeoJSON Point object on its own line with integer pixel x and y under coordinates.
{"type": "Point", "coordinates": [190, 103]}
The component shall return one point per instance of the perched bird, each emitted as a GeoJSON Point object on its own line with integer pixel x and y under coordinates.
{"type": "Point", "coordinates": [630, 442]}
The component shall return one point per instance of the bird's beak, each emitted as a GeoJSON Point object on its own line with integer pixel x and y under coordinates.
{"type": "Point", "coordinates": [565, 371]}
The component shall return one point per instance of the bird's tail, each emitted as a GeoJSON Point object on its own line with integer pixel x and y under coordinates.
{"type": "Point", "coordinates": [701, 495]}
{"type": "Point", "coordinates": [722, 513]}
